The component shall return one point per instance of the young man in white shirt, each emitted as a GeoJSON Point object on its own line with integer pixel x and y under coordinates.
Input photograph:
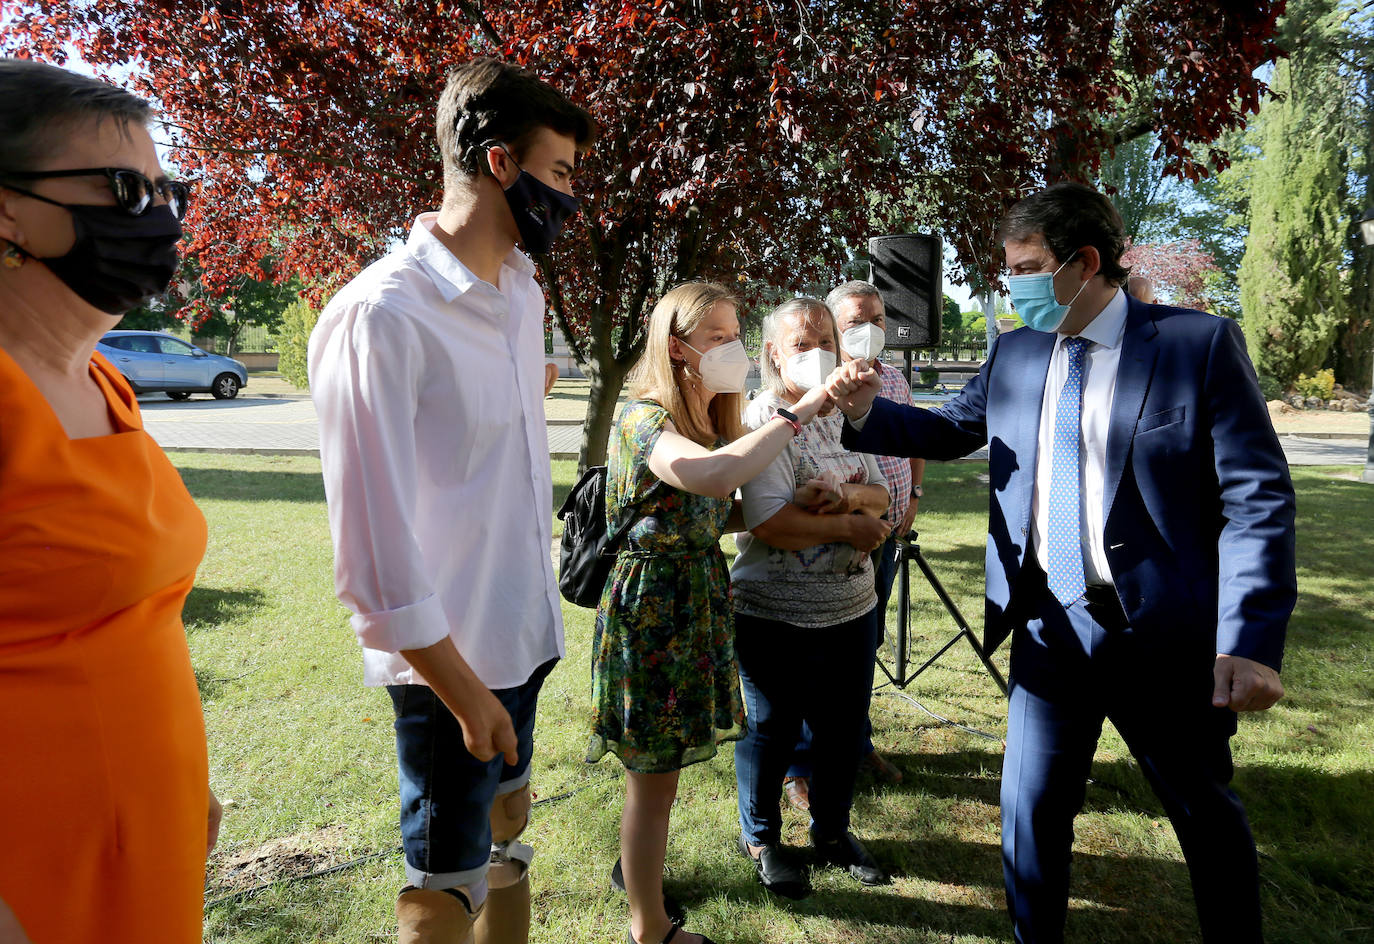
{"type": "Point", "coordinates": [427, 372]}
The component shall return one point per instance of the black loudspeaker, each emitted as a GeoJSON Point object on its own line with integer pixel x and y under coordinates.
{"type": "Point", "coordinates": [909, 273]}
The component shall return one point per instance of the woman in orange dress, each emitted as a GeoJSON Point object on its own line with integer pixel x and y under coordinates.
{"type": "Point", "coordinates": [106, 815]}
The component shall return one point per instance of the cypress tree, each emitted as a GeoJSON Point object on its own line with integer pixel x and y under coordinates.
{"type": "Point", "coordinates": [1292, 291]}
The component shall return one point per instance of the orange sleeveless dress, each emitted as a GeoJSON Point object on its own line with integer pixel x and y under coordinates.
{"type": "Point", "coordinates": [103, 772]}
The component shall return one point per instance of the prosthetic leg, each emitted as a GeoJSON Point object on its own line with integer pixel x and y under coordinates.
{"type": "Point", "coordinates": [496, 910]}
{"type": "Point", "coordinates": [438, 916]}
{"type": "Point", "coordinates": [506, 917]}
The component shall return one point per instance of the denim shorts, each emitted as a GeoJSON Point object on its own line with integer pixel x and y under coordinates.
{"type": "Point", "coordinates": [446, 793]}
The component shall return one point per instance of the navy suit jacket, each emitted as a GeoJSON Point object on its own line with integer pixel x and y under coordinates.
{"type": "Point", "coordinates": [1199, 522]}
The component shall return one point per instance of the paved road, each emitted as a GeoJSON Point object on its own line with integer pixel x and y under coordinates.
{"type": "Point", "coordinates": [286, 426]}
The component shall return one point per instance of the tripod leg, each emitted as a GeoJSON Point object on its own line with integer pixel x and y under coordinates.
{"type": "Point", "coordinates": [959, 621]}
{"type": "Point", "coordinates": [903, 618]}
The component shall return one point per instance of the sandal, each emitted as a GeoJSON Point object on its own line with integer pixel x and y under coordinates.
{"type": "Point", "coordinates": [672, 933]}
{"type": "Point", "coordinates": [798, 791]}
{"type": "Point", "coordinates": [676, 913]}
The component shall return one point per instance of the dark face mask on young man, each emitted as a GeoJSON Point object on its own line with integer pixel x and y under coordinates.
{"type": "Point", "coordinates": [118, 261]}
{"type": "Point", "coordinates": [539, 209]}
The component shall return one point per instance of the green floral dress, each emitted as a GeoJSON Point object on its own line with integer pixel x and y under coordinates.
{"type": "Point", "coordinates": [665, 687]}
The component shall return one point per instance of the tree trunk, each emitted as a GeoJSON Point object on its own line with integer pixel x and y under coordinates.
{"type": "Point", "coordinates": [989, 317]}
{"type": "Point", "coordinates": [607, 378]}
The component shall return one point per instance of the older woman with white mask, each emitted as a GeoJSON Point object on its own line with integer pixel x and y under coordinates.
{"type": "Point", "coordinates": [805, 620]}
{"type": "Point", "coordinates": [860, 318]}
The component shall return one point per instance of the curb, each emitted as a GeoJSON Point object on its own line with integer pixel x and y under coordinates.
{"type": "Point", "coordinates": [243, 451]}
{"type": "Point", "coordinates": [1353, 437]}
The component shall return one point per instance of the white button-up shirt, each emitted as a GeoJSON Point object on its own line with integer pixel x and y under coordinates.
{"type": "Point", "coordinates": [429, 385]}
{"type": "Point", "coordinates": [1100, 361]}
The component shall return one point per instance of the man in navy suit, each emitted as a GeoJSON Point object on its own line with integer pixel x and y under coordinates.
{"type": "Point", "coordinates": [1139, 554]}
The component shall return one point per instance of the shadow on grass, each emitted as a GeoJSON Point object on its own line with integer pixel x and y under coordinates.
{"type": "Point", "coordinates": [1319, 828]}
{"type": "Point", "coordinates": [1111, 884]}
{"type": "Point", "coordinates": [862, 909]}
{"type": "Point", "coordinates": [208, 607]}
{"type": "Point", "coordinates": [969, 775]}
{"type": "Point", "coordinates": [241, 485]}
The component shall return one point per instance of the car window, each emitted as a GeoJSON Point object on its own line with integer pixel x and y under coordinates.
{"type": "Point", "coordinates": [120, 343]}
{"type": "Point", "coordinates": [173, 346]}
{"type": "Point", "coordinates": [140, 344]}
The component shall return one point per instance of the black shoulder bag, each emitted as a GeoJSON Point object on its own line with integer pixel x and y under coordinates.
{"type": "Point", "coordinates": [587, 551]}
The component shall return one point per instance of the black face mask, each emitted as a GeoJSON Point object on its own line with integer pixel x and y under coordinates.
{"type": "Point", "coordinates": [118, 261]}
{"type": "Point", "coordinates": [539, 210]}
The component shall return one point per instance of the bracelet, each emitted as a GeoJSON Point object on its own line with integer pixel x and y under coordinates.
{"type": "Point", "coordinates": [917, 491]}
{"type": "Point", "coordinates": [788, 417]}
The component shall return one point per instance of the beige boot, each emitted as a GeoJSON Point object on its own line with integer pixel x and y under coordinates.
{"type": "Point", "coordinates": [430, 916]}
{"type": "Point", "coordinates": [505, 918]}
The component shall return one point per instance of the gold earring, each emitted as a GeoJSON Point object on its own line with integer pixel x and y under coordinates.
{"type": "Point", "coordinates": [11, 258]}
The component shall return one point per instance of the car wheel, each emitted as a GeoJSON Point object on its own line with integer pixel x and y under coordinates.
{"type": "Point", "coordinates": [178, 395]}
{"type": "Point", "coordinates": [225, 387]}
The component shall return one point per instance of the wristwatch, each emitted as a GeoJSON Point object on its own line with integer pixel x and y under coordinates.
{"type": "Point", "coordinates": [917, 491]}
{"type": "Point", "coordinates": [790, 418]}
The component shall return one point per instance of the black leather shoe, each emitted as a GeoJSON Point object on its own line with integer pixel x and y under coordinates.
{"type": "Point", "coordinates": [676, 913]}
{"type": "Point", "coordinates": [849, 854]}
{"type": "Point", "coordinates": [779, 870]}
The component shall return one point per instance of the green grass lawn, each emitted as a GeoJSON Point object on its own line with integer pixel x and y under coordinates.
{"type": "Point", "coordinates": [302, 755]}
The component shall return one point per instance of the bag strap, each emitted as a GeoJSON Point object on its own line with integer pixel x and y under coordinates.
{"type": "Point", "coordinates": [613, 542]}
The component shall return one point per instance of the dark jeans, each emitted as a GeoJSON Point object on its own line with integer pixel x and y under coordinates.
{"type": "Point", "coordinates": [884, 572]}
{"type": "Point", "coordinates": [790, 674]}
{"type": "Point", "coordinates": [1071, 668]}
{"type": "Point", "coordinates": [446, 793]}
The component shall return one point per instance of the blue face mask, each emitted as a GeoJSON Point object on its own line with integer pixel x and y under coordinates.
{"type": "Point", "coordinates": [1034, 300]}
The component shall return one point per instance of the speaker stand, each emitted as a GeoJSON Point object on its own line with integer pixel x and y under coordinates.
{"type": "Point", "coordinates": [909, 550]}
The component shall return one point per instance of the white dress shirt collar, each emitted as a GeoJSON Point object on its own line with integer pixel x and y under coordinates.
{"type": "Point", "coordinates": [1109, 327]}
{"type": "Point", "coordinates": [450, 276]}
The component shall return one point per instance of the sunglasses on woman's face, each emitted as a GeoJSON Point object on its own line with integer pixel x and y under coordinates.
{"type": "Point", "coordinates": [133, 192]}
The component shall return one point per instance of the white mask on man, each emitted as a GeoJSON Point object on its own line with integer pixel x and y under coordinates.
{"type": "Point", "coordinates": [810, 368]}
{"type": "Point", "coordinates": [864, 341]}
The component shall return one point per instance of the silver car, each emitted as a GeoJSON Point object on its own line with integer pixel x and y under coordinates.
{"type": "Point", "coordinates": [152, 361]}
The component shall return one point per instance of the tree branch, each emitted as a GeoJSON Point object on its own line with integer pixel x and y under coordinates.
{"type": "Point", "coordinates": [478, 18]}
{"type": "Point", "coordinates": [628, 350]}
{"type": "Point", "coordinates": [560, 313]}
{"type": "Point", "coordinates": [1131, 132]}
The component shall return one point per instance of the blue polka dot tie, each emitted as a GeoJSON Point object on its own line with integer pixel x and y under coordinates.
{"type": "Point", "coordinates": [1065, 532]}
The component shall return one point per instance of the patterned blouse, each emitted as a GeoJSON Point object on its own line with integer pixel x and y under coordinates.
{"type": "Point", "coordinates": [819, 586]}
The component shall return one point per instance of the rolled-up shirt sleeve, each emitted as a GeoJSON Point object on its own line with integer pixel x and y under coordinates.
{"type": "Point", "coordinates": [365, 376]}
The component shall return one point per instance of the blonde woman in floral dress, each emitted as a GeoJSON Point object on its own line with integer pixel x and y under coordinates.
{"type": "Point", "coordinates": [665, 689]}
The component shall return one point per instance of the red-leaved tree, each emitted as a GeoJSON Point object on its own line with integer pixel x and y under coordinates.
{"type": "Point", "coordinates": [1178, 270]}
{"type": "Point", "coordinates": [744, 140]}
